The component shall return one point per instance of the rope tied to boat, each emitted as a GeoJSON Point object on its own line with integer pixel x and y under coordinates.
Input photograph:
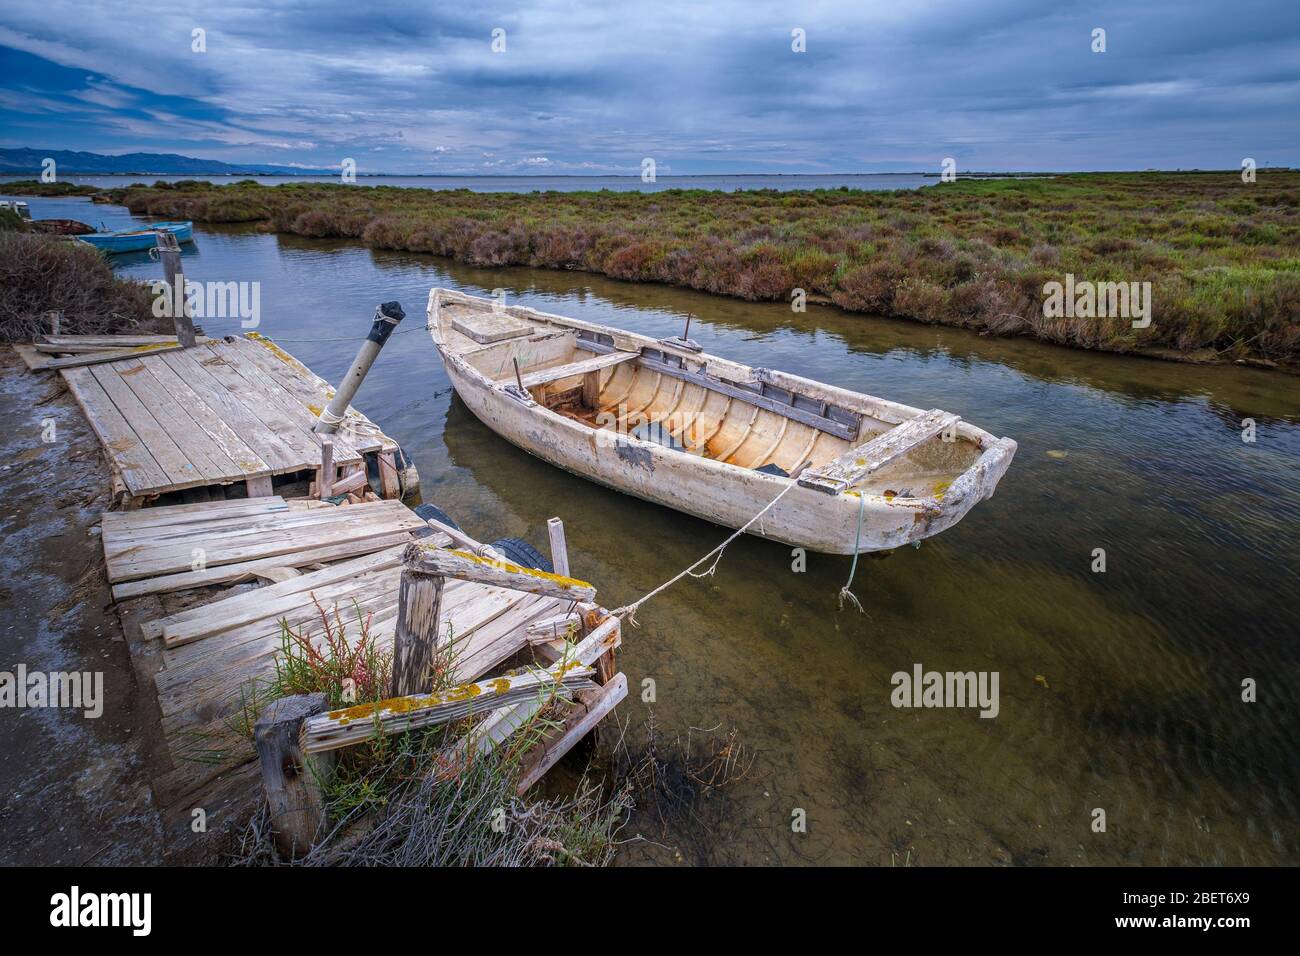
{"type": "Point", "coordinates": [628, 611]}
{"type": "Point", "coordinates": [845, 593]}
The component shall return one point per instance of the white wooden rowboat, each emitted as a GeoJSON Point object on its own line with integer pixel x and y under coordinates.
{"type": "Point", "coordinates": [663, 421]}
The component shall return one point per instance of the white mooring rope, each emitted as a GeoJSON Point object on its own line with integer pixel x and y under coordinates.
{"type": "Point", "coordinates": [628, 611]}
{"type": "Point", "coordinates": [853, 568]}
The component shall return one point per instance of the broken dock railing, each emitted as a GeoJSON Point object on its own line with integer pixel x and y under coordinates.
{"type": "Point", "coordinates": [297, 738]}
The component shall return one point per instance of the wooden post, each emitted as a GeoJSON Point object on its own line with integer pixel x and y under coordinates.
{"type": "Point", "coordinates": [419, 602]}
{"type": "Point", "coordinates": [169, 253]}
{"type": "Point", "coordinates": [390, 486]}
{"type": "Point", "coordinates": [56, 321]}
{"type": "Point", "coordinates": [292, 779]}
{"type": "Point", "coordinates": [326, 483]}
{"type": "Point", "coordinates": [591, 390]}
{"type": "Point", "coordinates": [559, 550]}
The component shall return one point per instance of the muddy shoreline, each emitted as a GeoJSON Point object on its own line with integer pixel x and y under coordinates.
{"type": "Point", "coordinates": [83, 790]}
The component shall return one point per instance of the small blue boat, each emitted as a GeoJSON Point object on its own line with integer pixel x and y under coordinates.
{"type": "Point", "coordinates": [134, 240]}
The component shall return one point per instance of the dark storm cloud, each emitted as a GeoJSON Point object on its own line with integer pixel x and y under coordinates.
{"type": "Point", "coordinates": [1006, 84]}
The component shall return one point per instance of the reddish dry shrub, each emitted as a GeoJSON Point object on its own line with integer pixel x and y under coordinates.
{"type": "Point", "coordinates": [764, 275]}
{"type": "Point", "coordinates": [870, 288]}
{"type": "Point", "coordinates": [634, 261]}
{"type": "Point", "coordinates": [921, 300]}
{"type": "Point", "coordinates": [318, 223]}
{"type": "Point", "coordinates": [498, 248]}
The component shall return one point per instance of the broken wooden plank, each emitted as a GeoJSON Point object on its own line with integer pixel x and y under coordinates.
{"type": "Point", "coordinates": [245, 570]}
{"type": "Point", "coordinates": [107, 355]}
{"type": "Point", "coordinates": [857, 463]}
{"type": "Point", "coordinates": [583, 720]}
{"type": "Point", "coordinates": [341, 728]}
{"type": "Point", "coordinates": [471, 567]}
{"type": "Point", "coordinates": [503, 722]}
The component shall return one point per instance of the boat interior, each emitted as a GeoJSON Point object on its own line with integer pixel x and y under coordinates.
{"type": "Point", "coordinates": [660, 396]}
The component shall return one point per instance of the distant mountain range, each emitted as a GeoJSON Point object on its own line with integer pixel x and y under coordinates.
{"type": "Point", "coordinates": [71, 163]}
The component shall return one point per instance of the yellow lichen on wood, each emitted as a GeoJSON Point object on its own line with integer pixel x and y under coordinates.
{"type": "Point", "coordinates": [557, 579]}
{"type": "Point", "coordinates": [274, 349]}
{"type": "Point", "coordinates": [406, 705]}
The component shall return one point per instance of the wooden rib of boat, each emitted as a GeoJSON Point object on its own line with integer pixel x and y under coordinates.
{"type": "Point", "coordinates": [665, 422]}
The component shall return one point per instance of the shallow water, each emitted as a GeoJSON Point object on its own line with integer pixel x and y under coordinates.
{"type": "Point", "coordinates": [1119, 690]}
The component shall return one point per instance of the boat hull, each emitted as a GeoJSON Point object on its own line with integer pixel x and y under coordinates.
{"type": "Point", "coordinates": [139, 239]}
{"type": "Point", "coordinates": [720, 493]}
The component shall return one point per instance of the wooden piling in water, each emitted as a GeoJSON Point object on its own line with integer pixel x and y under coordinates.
{"type": "Point", "coordinates": [169, 254]}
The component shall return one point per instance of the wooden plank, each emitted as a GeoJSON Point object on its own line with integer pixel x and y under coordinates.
{"type": "Point", "coordinates": [559, 547]}
{"type": "Point", "coordinates": [857, 463]}
{"type": "Point", "coordinates": [341, 728]}
{"type": "Point", "coordinates": [543, 376]}
{"type": "Point", "coordinates": [271, 394]}
{"type": "Point", "coordinates": [244, 570]}
{"type": "Point", "coordinates": [204, 511]}
{"type": "Point", "coordinates": [503, 574]}
{"type": "Point", "coordinates": [389, 484]}
{"type": "Point", "coordinates": [34, 359]}
{"type": "Point", "coordinates": [229, 406]}
{"type": "Point", "coordinates": [267, 602]}
{"type": "Point", "coordinates": [129, 560]}
{"type": "Point", "coordinates": [549, 751]}
{"type": "Point", "coordinates": [312, 391]}
{"type": "Point", "coordinates": [327, 474]}
{"type": "Point", "coordinates": [352, 481]}
{"type": "Point", "coordinates": [110, 341]}
{"type": "Point", "coordinates": [504, 722]}
{"type": "Point", "coordinates": [265, 400]}
{"type": "Point", "coordinates": [213, 425]}
{"type": "Point", "coordinates": [133, 560]}
{"type": "Point", "coordinates": [107, 355]}
{"type": "Point", "coordinates": [184, 530]}
{"type": "Point", "coordinates": [486, 328]}
{"type": "Point", "coordinates": [131, 458]}
{"type": "Point", "coordinates": [205, 454]}
{"type": "Point", "coordinates": [493, 641]}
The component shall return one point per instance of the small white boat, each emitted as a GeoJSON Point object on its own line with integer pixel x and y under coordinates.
{"type": "Point", "coordinates": [663, 421]}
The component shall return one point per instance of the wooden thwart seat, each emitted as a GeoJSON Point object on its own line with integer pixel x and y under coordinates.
{"type": "Point", "coordinates": [584, 367]}
{"type": "Point", "coordinates": [859, 462]}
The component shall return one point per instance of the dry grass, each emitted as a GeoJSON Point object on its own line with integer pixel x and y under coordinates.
{"type": "Point", "coordinates": [39, 274]}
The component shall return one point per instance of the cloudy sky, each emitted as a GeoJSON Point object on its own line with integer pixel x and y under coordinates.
{"type": "Point", "coordinates": [594, 87]}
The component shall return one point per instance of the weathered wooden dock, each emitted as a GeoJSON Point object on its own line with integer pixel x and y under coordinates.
{"type": "Point", "coordinates": [209, 661]}
{"type": "Point", "coordinates": [233, 411]}
{"type": "Point", "coordinates": [210, 590]}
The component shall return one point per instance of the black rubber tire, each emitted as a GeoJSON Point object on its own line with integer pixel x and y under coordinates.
{"type": "Point", "coordinates": [523, 554]}
{"type": "Point", "coordinates": [429, 510]}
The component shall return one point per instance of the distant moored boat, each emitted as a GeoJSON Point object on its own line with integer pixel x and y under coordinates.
{"type": "Point", "coordinates": [134, 240]}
